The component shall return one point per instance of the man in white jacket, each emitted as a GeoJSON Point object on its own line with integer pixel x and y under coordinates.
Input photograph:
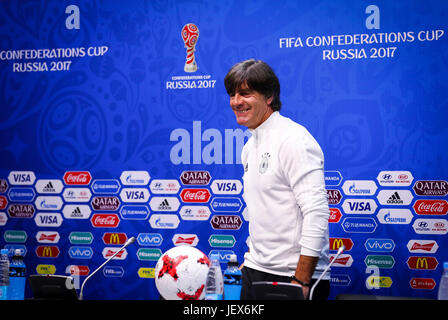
{"type": "Point", "coordinates": [284, 186]}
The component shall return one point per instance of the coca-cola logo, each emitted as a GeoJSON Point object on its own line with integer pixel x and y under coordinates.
{"type": "Point", "coordinates": [77, 177]}
{"type": "Point", "coordinates": [431, 207]}
{"type": "Point", "coordinates": [195, 177]}
{"type": "Point", "coordinates": [195, 195]}
{"type": "Point", "coordinates": [104, 220]}
{"type": "Point", "coordinates": [431, 188]}
{"type": "Point", "coordinates": [105, 203]}
{"type": "Point", "coordinates": [335, 215]}
{"type": "Point", "coordinates": [3, 202]}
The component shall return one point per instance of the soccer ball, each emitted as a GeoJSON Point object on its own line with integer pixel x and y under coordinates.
{"type": "Point", "coordinates": [181, 272]}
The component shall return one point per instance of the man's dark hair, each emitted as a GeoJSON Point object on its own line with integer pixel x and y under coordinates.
{"type": "Point", "coordinates": [258, 76]}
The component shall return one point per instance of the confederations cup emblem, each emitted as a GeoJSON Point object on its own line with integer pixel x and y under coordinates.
{"type": "Point", "coordinates": [190, 35]}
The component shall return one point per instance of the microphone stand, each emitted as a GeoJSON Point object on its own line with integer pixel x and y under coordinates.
{"type": "Point", "coordinates": [340, 251]}
{"type": "Point", "coordinates": [130, 241]}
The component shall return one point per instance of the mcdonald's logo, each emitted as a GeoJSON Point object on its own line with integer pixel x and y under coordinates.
{"type": "Point", "coordinates": [422, 263]}
{"type": "Point", "coordinates": [336, 243]}
{"type": "Point", "coordinates": [47, 251]}
{"type": "Point", "coordinates": [115, 238]}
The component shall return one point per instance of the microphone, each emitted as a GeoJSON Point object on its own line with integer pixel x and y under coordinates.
{"type": "Point", "coordinates": [130, 241]}
{"type": "Point", "coordinates": [340, 251]}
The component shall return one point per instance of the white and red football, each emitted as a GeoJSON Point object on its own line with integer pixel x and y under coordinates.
{"type": "Point", "coordinates": [181, 272]}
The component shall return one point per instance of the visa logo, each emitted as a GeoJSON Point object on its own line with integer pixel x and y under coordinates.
{"type": "Point", "coordinates": [226, 186]}
{"type": "Point", "coordinates": [223, 186]}
{"type": "Point", "coordinates": [359, 206]}
{"type": "Point", "coordinates": [134, 195]}
{"type": "Point", "coordinates": [48, 220]}
{"type": "Point", "coordinates": [21, 177]}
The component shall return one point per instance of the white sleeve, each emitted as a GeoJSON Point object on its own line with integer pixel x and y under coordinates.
{"type": "Point", "coordinates": [303, 168]}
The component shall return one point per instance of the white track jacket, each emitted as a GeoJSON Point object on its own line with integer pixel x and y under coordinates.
{"type": "Point", "coordinates": [284, 190]}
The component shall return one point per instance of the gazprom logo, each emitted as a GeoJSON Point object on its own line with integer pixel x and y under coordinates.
{"type": "Point", "coordinates": [359, 187]}
{"type": "Point", "coordinates": [135, 178]}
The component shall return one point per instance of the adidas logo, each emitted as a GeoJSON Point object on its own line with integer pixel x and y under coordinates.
{"type": "Point", "coordinates": [164, 205]}
{"type": "Point", "coordinates": [76, 213]}
{"type": "Point", "coordinates": [395, 199]}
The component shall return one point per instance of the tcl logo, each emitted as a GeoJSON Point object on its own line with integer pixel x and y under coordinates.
{"type": "Point", "coordinates": [195, 195]}
{"type": "Point", "coordinates": [102, 220]}
{"type": "Point", "coordinates": [77, 177]}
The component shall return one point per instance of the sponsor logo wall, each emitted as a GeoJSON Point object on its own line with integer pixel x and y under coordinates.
{"type": "Point", "coordinates": [115, 123]}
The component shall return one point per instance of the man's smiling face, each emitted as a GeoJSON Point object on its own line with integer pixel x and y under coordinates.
{"type": "Point", "coordinates": [251, 108]}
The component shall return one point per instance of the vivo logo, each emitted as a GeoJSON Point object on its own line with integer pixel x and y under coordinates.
{"type": "Point", "coordinates": [149, 239]}
{"type": "Point", "coordinates": [379, 245]}
{"type": "Point", "coordinates": [224, 255]}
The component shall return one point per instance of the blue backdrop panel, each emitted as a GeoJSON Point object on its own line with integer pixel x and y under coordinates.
{"type": "Point", "coordinates": [104, 135]}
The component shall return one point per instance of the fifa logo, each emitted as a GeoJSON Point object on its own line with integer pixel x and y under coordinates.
{"type": "Point", "coordinates": [190, 35]}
